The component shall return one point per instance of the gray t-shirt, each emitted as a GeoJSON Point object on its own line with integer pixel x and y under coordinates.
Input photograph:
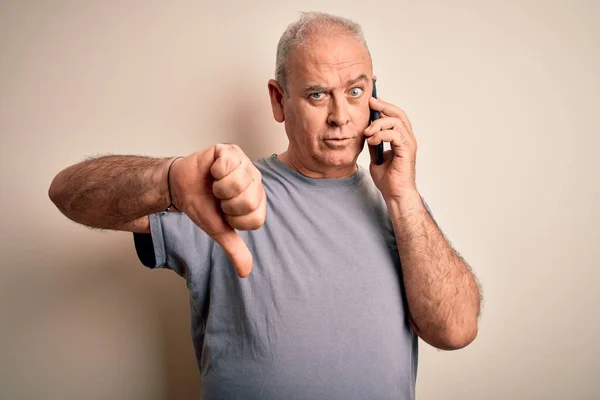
{"type": "Point", "coordinates": [323, 313]}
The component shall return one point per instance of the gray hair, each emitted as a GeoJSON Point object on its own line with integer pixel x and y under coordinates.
{"type": "Point", "coordinates": [299, 32]}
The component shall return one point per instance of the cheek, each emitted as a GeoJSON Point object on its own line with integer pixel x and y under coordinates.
{"type": "Point", "coordinates": [311, 122]}
{"type": "Point", "coordinates": [361, 114]}
{"type": "Point", "coordinates": [291, 120]}
{"type": "Point", "coordinates": [297, 126]}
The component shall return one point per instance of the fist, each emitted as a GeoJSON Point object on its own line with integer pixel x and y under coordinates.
{"type": "Point", "coordinates": [221, 190]}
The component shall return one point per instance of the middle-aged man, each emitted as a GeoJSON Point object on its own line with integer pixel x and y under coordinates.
{"type": "Point", "coordinates": [348, 268]}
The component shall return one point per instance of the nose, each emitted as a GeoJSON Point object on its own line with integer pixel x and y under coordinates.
{"type": "Point", "coordinates": [338, 112]}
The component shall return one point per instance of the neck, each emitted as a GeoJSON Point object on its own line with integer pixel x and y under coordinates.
{"type": "Point", "coordinates": [341, 172]}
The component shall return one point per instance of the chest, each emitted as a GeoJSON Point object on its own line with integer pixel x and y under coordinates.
{"type": "Point", "coordinates": [314, 261]}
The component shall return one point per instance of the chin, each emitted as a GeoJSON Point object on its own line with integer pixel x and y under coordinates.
{"type": "Point", "coordinates": [339, 159]}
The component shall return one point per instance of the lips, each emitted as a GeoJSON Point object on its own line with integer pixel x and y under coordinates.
{"type": "Point", "coordinates": [338, 143]}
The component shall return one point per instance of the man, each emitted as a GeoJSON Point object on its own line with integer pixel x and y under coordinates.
{"type": "Point", "coordinates": [348, 268]}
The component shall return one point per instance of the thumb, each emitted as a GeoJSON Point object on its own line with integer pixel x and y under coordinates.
{"type": "Point", "coordinates": [237, 251]}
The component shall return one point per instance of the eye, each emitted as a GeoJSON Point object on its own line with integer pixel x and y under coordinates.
{"type": "Point", "coordinates": [355, 92]}
{"type": "Point", "coordinates": [317, 96]}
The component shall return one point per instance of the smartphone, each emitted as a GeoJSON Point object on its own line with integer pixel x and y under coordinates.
{"type": "Point", "coordinates": [375, 115]}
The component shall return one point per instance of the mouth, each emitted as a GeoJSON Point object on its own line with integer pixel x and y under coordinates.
{"type": "Point", "coordinates": [338, 143]}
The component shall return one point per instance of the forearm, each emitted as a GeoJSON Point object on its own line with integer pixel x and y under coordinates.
{"type": "Point", "coordinates": [108, 192]}
{"type": "Point", "coordinates": [442, 293]}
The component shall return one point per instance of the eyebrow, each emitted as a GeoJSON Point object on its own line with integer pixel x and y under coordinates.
{"type": "Point", "coordinates": [361, 77]}
{"type": "Point", "coordinates": [323, 89]}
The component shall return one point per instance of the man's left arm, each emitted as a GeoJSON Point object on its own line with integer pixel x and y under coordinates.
{"type": "Point", "coordinates": [442, 293]}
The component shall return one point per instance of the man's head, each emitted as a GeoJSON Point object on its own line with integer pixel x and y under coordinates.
{"type": "Point", "coordinates": [321, 92]}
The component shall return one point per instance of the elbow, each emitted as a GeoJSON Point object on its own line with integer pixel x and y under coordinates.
{"type": "Point", "coordinates": [453, 339]}
{"type": "Point", "coordinates": [459, 338]}
{"type": "Point", "coordinates": [57, 193]}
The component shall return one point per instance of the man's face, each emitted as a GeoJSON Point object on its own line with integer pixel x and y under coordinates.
{"type": "Point", "coordinates": [327, 107]}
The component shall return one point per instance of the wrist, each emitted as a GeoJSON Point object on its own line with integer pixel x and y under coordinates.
{"type": "Point", "coordinates": [408, 201]}
{"type": "Point", "coordinates": [173, 200]}
{"type": "Point", "coordinates": [162, 186]}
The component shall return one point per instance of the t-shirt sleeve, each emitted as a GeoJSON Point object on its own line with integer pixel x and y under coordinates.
{"type": "Point", "coordinates": [174, 242]}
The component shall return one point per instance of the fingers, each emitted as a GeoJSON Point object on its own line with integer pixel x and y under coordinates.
{"type": "Point", "coordinates": [390, 110]}
{"type": "Point", "coordinates": [238, 184]}
{"type": "Point", "coordinates": [389, 124]}
{"type": "Point", "coordinates": [394, 127]}
{"type": "Point", "coordinates": [238, 189]}
{"type": "Point", "coordinates": [395, 138]}
{"type": "Point", "coordinates": [245, 202]}
{"type": "Point", "coordinates": [250, 221]}
{"type": "Point", "coordinates": [235, 182]}
{"type": "Point", "coordinates": [232, 170]}
{"type": "Point", "coordinates": [384, 107]}
{"type": "Point", "coordinates": [227, 158]}
{"type": "Point", "coordinates": [236, 251]}
{"type": "Point", "coordinates": [384, 124]}
{"type": "Point", "coordinates": [390, 130]}
{"type": "Point", "coordinates": [233, 245]}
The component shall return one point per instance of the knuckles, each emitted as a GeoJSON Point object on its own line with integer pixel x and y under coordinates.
{"type": "Point", "coordinates": [250, 222]}
{"type": "Point", "coordinates": [250, 203]}
{"type": "Point", "coordinates": [254, 223]}
{"type": "Point", "coordinates": [243, 199]}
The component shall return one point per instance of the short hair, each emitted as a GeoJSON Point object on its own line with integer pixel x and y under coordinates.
{"type": "Point", "coordinates": [300, 31]}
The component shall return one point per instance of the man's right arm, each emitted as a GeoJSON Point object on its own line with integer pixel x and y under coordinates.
{"type": "Point", "coordinates": [218, 188]}
{"type": "Point", "coordinates": [113, 192]}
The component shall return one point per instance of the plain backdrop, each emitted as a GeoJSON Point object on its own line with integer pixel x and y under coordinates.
{"type": "Point", "coordinates": [503, 97]}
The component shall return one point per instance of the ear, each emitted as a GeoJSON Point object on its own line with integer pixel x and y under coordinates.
{"type": "Point", "coordinates": [276, 94]}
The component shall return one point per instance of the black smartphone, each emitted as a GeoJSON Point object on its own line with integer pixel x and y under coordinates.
{"type": "Point", "coordinates": [375, 115]}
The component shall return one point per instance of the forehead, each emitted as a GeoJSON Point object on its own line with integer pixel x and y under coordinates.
{"type": "Point", "coordinates": [328, 60]}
